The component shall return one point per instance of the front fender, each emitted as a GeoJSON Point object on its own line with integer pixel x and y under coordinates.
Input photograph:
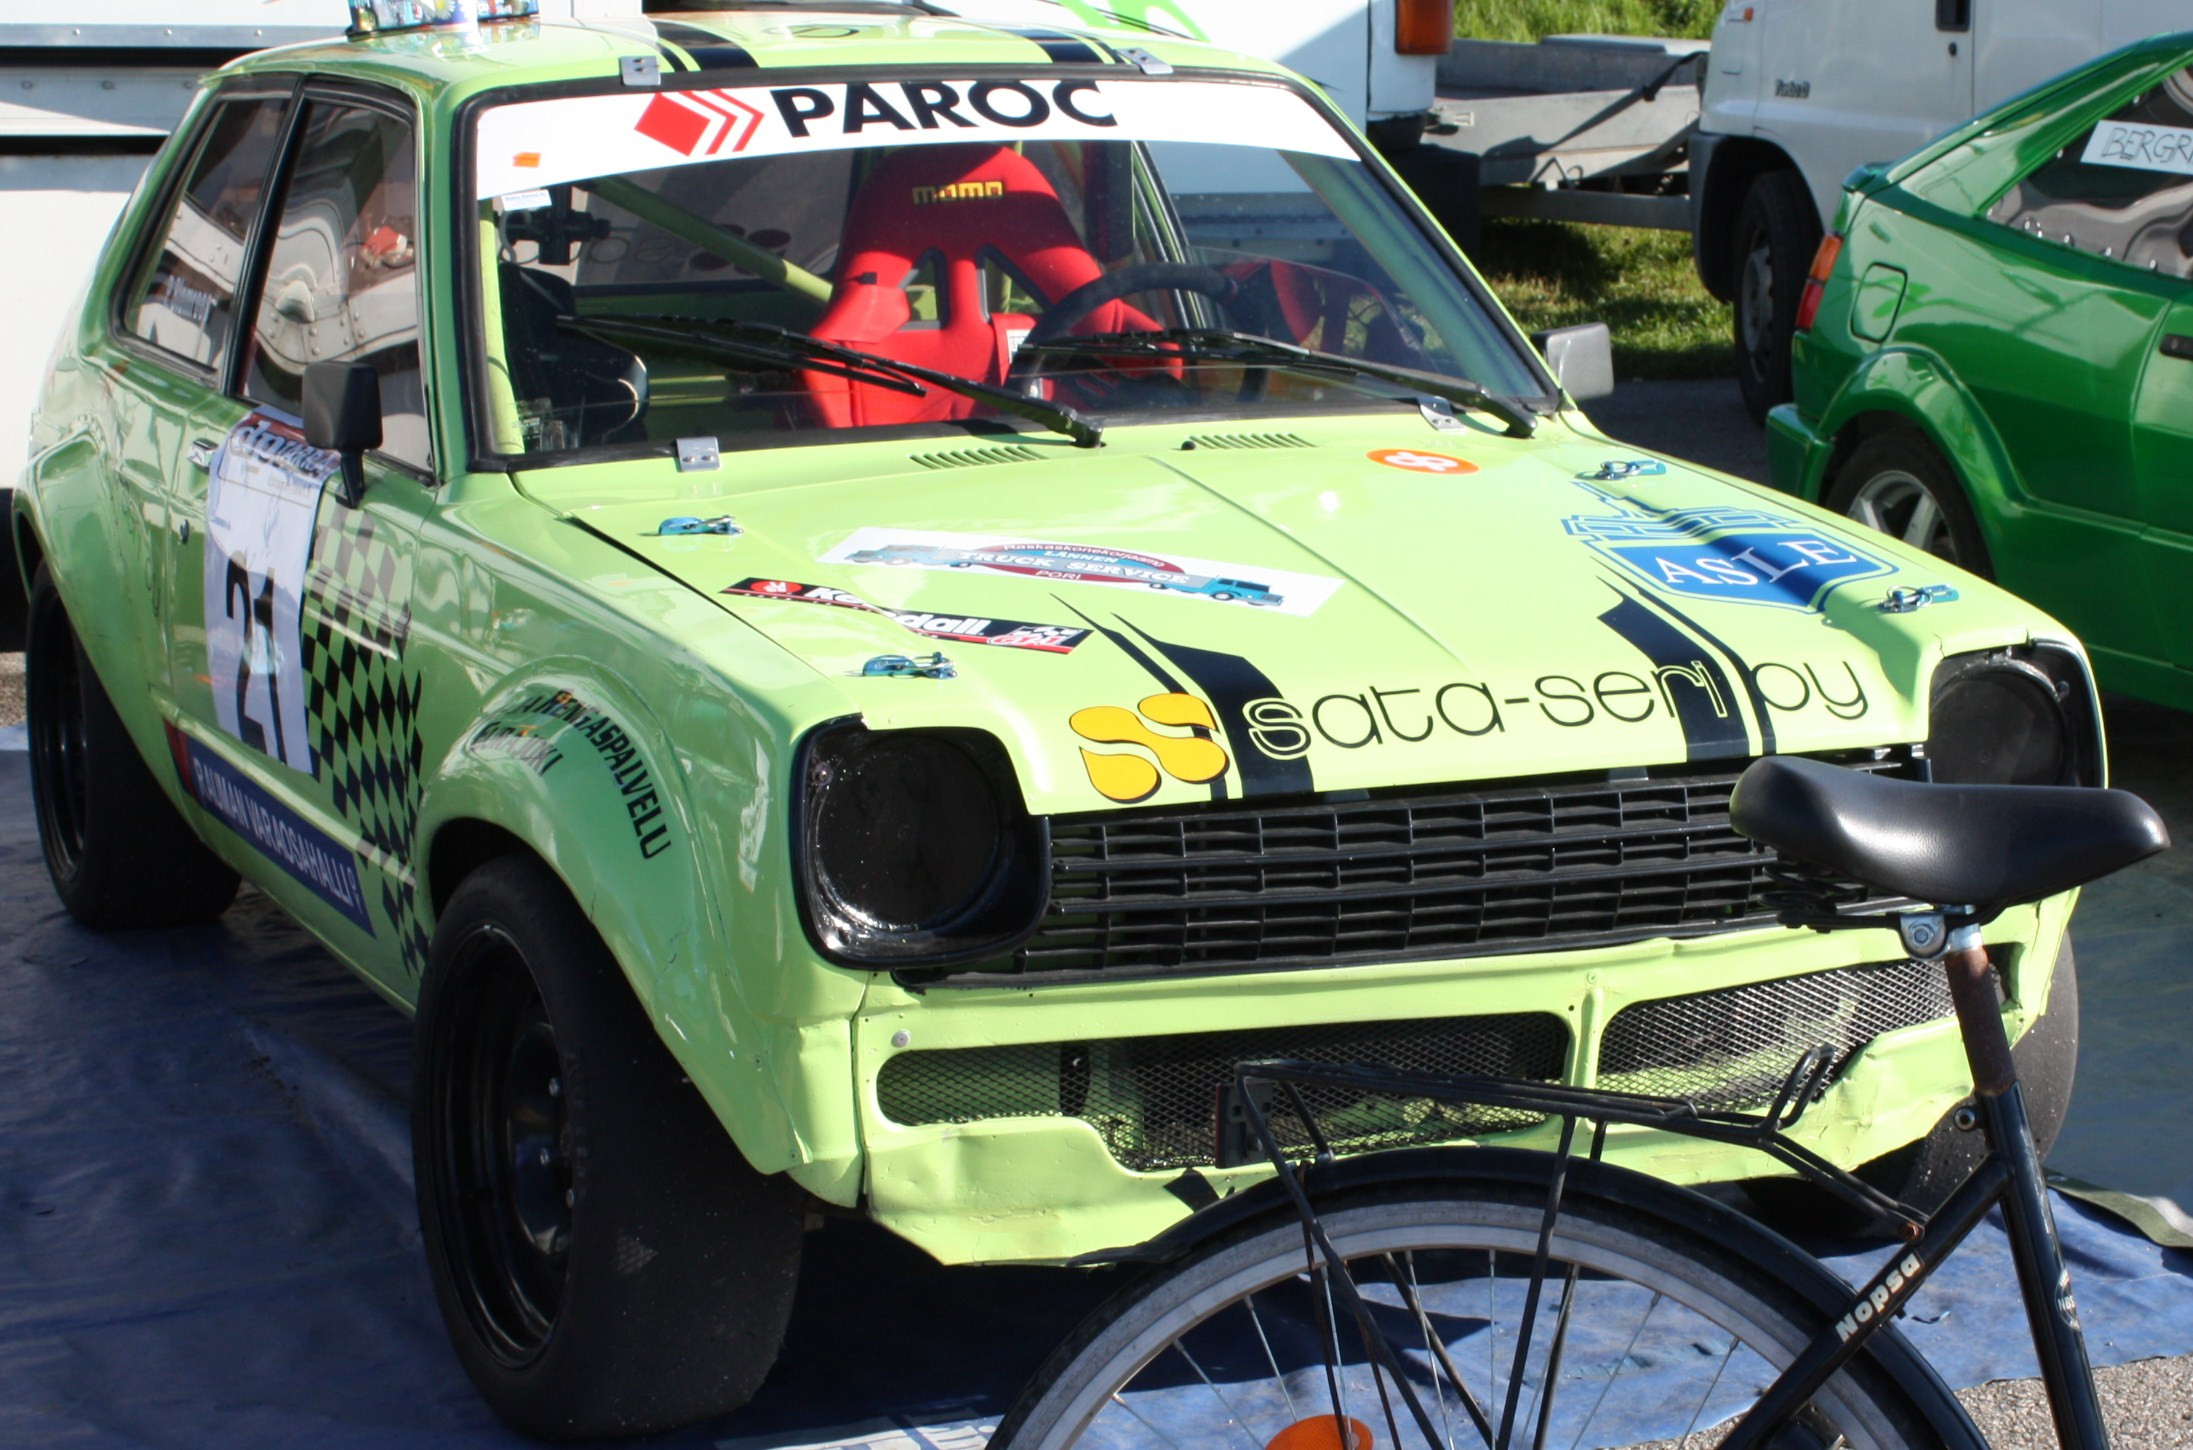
{"type": "Point", "coordinates": [566, 759]}
{"type": "Point", "coordinates": [1917, 389]}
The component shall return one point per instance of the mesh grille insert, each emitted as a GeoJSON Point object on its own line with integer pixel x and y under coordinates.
{"type": "Point", "coordinates": [1733, 1048]}
{"type": "Point", "coordinates": [1153, 1099]}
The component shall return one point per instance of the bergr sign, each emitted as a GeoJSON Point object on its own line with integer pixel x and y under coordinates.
{"type": "Point", "coordinates": [533, 144]}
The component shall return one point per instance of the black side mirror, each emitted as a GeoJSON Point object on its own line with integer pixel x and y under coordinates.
{"type": "Point", "coordinates": [343, 414]}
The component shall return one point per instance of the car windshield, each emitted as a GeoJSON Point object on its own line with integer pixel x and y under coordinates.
{"type": "Point", "coordinates": [776, 260]}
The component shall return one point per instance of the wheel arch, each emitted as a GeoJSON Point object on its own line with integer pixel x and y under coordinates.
{"type": "Point", "coordinates": [1737, 162]}
{"type": "Point", "coordinates": [23, 557]}
{"type": "Point", "coordinates": [655, 912]}
{"type": "Point", "coordinates": [1682, 1208]}
{"type": "Point", "coordinates": [1900, 389]}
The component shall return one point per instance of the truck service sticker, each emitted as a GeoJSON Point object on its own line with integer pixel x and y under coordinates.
{"type": "Point", "coordinates": [1279, 590]}
{"type": "Point", "coordinates": [536, 144]}
{"type": "Point", "coordinates": [260, 505]}
{"type": "Point", "coordinates": [1055, 639]}
{"type": "Point", "coordinates": [1746, 556]}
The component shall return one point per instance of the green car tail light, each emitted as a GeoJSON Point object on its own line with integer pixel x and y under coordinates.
{"type": "Point", "coordinates": [1823, 262]}
{"type": "Point", "coordinates": [913, 848]}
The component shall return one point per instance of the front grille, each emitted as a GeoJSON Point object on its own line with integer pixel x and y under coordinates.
{"type": "Point", "coordinates": [1734, 1048]}
{"type": "Point", "coordinates": [1154, 1099]}
{"type": "Point", "coordinates": [1400, 876]}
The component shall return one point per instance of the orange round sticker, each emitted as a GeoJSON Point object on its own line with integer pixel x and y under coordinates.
{"type": "Point", "coordinates": [1417, 461]}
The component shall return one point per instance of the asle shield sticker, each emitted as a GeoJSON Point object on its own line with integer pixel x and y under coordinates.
{"type": "Point", "coordinates": [1127, 778]}
{"type": "Point", "coordinates": [1746, 556]}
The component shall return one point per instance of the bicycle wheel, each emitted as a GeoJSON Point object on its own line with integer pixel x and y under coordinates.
{"type": "Point", "coordinates": [1647, 1331]}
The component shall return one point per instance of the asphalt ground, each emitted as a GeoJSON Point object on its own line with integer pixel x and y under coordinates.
{"type": "Point", "coordinates": [2135, 936]}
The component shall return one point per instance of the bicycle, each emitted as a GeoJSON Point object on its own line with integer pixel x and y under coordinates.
{"type": "Point", "coordinates": [1348, 1293]}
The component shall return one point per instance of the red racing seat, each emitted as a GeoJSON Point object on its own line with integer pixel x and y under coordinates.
{"type": "Point", "coordinates": [946, 211]}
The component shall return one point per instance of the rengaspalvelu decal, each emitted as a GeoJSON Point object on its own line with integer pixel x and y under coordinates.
{"type": "Point", "coordinates": [541, 729]}
{"type": "Point", "coordinates": [965, 628]}
{"type": "Point", "coordinates": [544, 143]}
{"type": "Point", "coordinates": [1740, 555]}
{"type": "Point", "coordinates": [1280, 590]}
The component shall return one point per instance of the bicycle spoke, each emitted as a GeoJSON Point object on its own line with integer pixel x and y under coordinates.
{"type": "Point", "coordinates": [1542, 1408]}
{"type": "Point", "coordinates": [1707, 1398]}
{"type": "Point", "coordinates": [1413, 1294]}
{"type": "Point", "coordinates": [1257, 1319]}
{"type": "Point", "coordinates": [1144, 1422]}
{"type": "Point", "coordinates": [1233, 1416]}
{"type": "Point", "coordinates": [1616, 1373]}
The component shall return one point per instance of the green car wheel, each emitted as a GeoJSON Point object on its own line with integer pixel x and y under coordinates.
{"type": "Point", "coordinates": [1895, 482]}
{"type": "Point", "coordinates": [572, 1182]}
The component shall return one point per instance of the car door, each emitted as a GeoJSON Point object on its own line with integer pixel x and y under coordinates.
{"type": "Point", "coordinates": [175, 332]}
{"type": "Point", "coordinates": [296, 678]}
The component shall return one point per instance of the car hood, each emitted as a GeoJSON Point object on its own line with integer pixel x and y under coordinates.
{"type": "Point", "coordinates": [1382, 605]}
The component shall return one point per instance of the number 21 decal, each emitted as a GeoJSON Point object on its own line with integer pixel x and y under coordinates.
{"type": "Point", "coordinates": [264, 496]}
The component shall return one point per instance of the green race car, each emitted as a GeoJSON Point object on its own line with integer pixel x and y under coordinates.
{"type": "Point", "coordinates": [851, 607]}
{"type": "Point", "coordinates": [1995, 357]}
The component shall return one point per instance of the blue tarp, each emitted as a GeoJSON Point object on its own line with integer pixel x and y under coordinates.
{"type": "Point", "coordinates": [209, 1236]}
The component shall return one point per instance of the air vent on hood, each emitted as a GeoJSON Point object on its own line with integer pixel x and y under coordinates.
{"type": "Point", "coordinates": [1246, 440]}
{"type": "Point", "coordinates": [976, 457]}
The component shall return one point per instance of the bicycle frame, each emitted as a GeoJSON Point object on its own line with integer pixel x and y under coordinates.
{"type": "Point", "coordinates": [2010, 1174]}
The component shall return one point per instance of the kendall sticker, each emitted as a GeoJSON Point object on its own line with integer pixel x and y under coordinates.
{"type": "Point", "coordinates": [1054, 639]}
{"type": "Point", "coordinates": [536, 144]}
{"type": "Point", "coordinates": [1253, 585]}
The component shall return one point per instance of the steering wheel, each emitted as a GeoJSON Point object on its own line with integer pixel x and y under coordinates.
{"type": "Point", "coordinates": [1076, 306]}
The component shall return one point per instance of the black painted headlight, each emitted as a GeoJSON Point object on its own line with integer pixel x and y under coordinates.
{"type": "Point", "coordinates": [2014, 717]}
{"type": "Point", "coordinates": [913, 848]}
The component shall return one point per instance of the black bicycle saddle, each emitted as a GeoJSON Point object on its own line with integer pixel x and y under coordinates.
{"type": "Point", "coordinates": [1945, 845]}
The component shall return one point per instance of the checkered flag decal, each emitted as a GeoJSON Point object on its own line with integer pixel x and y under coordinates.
{"type": "Point", "coordinates": [362, 706]}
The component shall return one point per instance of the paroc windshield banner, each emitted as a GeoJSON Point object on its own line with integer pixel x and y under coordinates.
{"type": "Point", "coordinates": [543, 143]}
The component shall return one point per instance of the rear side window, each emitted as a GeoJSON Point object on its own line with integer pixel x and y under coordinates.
{"type": "Point", "coordinates": [2122, 189]}
{"type": "Point", "coordinates": [341, 282]}
{"type": "Point", "coordinates": [184, 300]}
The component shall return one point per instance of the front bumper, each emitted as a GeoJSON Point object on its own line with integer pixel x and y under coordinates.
{"type": "Point", "coordinates": [1074, 1170]}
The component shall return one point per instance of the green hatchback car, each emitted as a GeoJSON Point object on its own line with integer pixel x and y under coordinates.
{"type": "Point", "coordinates": [1994, 358]}
{"type": "Point", "coordinates": [852, 606]}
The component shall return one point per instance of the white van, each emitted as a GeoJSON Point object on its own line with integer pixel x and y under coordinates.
{"type": "Point", "coordinates": [1798, 93]}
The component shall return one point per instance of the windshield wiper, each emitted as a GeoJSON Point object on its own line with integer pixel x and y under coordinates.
{"type": "Point", "coordinates": [765, 342]}
{"type": "Point", "coordinates": [1244, 347]}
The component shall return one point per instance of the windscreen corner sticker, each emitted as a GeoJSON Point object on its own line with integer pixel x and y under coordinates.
{"type": "Point", "coordinates": [1742, 555]}
{"type": "Point", "coordinates": [533, 144]}
{"type": "Point", "coordinates": [1055, 639]}
{"type": "Point", "coordinates": [1279, 590]}
{"type": "Point", "coordinates": [261, 503]}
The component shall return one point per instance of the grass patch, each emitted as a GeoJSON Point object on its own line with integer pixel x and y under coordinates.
{"type": "Point", "coordinates": [1530, 19]}
{"type": "Point", "coordinates": [1640, 283]}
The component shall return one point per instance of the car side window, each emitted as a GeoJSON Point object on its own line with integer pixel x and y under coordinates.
{"type": "Point", "coordinates": [341, 282]}
{"type": "Point", "coordinates": [2123, 188]}
{"type": "Point", "coordinates": [184, 299]}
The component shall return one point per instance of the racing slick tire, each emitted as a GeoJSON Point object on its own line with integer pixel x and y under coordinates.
{"type": "Point", "coordinates": [1776, 235]}
{"type": "Point", "coordinates": [119, 852]}
{"type": "Point", "coordinates": [1924, 1174]}
{"type": "Point", "coordinates": [606, 1261]}
{"type": "Point", "coordinates": [1896, 483]}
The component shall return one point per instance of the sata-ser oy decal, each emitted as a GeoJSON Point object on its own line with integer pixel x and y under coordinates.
{"type": "Point", "coordinates": [1127, 777]}
{"type": "Point", "coordinates": [1737, 555]}
{"type": "Point", "coordinates": [558, 735]}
